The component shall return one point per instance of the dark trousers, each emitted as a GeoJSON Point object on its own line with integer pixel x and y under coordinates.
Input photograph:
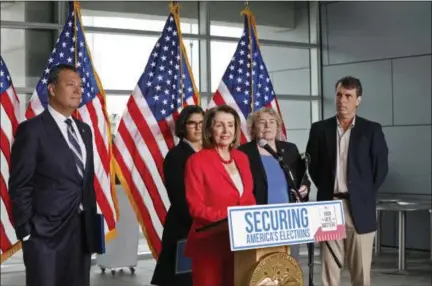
{"type": "Point", "coordinates": [58, 261]}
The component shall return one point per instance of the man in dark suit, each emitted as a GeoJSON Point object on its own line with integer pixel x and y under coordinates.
{"type": "Point", "coordinates": [51, 188]}
{"type": "Point", "coordinates": [349, 161]}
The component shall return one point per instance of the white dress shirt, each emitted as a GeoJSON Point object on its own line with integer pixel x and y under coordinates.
{"type": "Point", "coordinates": [60, 120]}
{"type": "Point", "coordinates": [342, 144]}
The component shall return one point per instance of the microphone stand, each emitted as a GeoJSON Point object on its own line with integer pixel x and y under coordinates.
{"type": "Point", "coordinates": [292, 183]}
{"type": "Point", "coordinates": [311, 246]}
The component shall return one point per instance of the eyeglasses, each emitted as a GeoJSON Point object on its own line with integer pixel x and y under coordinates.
{"type": "Point", "coordinates": [193, 124]}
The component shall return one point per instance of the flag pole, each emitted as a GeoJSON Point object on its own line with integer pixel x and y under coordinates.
{"type": "Point", "coordinates": [75, 6]}
{"type": "Point", "coordinates": [246, 11]}
{"type": "Point", "coordinates": [174, 7]}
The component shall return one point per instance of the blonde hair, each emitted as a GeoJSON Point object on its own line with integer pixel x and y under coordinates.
{"type": "Point", "coordinates": [254, 117]}
{"type": "Point", "coordinates": [208, 123]}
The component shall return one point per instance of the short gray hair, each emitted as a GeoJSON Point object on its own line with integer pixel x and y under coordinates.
{"type": "Point", "coordinates": [255, 116]}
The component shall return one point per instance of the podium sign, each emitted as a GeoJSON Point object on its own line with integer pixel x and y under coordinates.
{"type": "Point", "coordinates": [263, 226]}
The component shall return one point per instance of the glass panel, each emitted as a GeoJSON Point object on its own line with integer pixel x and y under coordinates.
{"type": "Point", "coordinates": [316, 110]}
{"type": "Point", "coordinates": [192, 50]}
{"type": "Point", "coordinates": [296, 113]}
{"type": "Point", "coordinates": [13, 52]}
{"type": "Point", "coordinates": [116, 105]}
{"type": "Point", "coordinates": [288, 67]}
{"type": "Point", "coordinates": [204, 100]}
{"type": "Point", "coordinates": [28, 11]}
{"type": "Point", "coordinates": [298, 137]}
{"type": "Point", "coordinates": [221, 55]}
{"type": "Point", "coordinates": [279, 21]}
{"type": "Point", "coordinates": [13, 11]}
{"type": "Point", "coordinates": [26, 64]}
{"type": "Point", "coordinates": [37, 58]}
{"type": "Point", "coordinates": [24, 99]}
{"type": "Point", "coordinates": [148, 16]}
{"type": "Point", "coordinates": [120, 60]}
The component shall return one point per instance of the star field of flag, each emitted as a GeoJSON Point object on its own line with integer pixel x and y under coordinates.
{"type": "Point", "coordinates": [70, 49]}
{"type": "Point", "coordinates": [5, 79]}
{"type": "Point", "coordinates": [166, 76]}
{"type": "Point", "coordinates": [238, 80]}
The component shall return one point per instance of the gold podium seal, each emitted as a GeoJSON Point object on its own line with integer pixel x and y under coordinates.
{"type": "Point", "coordinates": [279, 269]}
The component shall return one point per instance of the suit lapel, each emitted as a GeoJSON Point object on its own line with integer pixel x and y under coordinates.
{"type": "Point", "coordinates": [354, 140]}
{"type": "Point", "coordinates": [331, 132]}
{"type": "Point", "coordinates": [257, 163]}
{"type": "Point", "coordinates": [57, 139]}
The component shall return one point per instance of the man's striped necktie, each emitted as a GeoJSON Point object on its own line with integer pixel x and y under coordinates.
{"type": "Point", "coordinates": [75, 147]}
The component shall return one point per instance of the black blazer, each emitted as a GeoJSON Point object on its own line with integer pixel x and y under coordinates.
{"type": "Point", "coordinates": [174, 171]}
{"type": "Point", "coordinates": [292, 158]}
{"type": "Point", "coordinates": [44, 185]}
{"type": "Point", "coordinates": [367, 166]}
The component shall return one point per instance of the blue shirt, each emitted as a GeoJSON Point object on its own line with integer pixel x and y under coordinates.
{"type": "Point", "coordinates": [276, 181]}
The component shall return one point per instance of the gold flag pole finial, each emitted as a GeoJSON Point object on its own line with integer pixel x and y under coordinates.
{"type": "Point", "coordinates": [174, 7]}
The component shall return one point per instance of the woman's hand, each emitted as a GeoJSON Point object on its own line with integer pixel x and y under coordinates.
{"type": "Point", "coordinates": [303, 191]}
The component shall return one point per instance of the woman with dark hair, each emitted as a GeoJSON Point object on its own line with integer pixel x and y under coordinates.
{"type": "Point", "coordinates": [188, 129]}
{"type": "Point", "coordinates": [216, 177]}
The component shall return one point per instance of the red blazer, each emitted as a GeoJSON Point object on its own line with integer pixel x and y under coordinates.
{"type": "Point", "coordinates": [209, 192]}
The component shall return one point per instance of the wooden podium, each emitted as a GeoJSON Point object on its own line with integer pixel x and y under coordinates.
{"type": "Point", "coordinates": [247, 261]}
{"type": "Point", "coordinates": [261, 235]}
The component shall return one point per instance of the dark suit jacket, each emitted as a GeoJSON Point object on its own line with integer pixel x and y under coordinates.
{"type": "Point", "coordinates": [291, 157]}
{"type": "Point", "coordinates": [209, 192]}
{"type": "Point", "coordinates": [367, 166]}
{"type": "Point", "coordinates": [44, 186]}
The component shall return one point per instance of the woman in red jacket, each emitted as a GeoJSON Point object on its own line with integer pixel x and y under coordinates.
{"type": "Point", "coordinates": [217, 177]}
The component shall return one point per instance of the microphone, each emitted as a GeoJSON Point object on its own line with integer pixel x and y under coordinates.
{"type": "Point", "coordinates": [264, 144]}
{"type": "Point", "coordinates": [306, 158]}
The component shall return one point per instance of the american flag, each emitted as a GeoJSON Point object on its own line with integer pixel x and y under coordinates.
{"type": "Point", "coordinates": [246, 84]}
{"type": "Point", "coordinates": [146, 130]}
{"type": "Point", "coordinates": [71, 48]}
{"type": "Point", "coordinates": [10, 117]}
